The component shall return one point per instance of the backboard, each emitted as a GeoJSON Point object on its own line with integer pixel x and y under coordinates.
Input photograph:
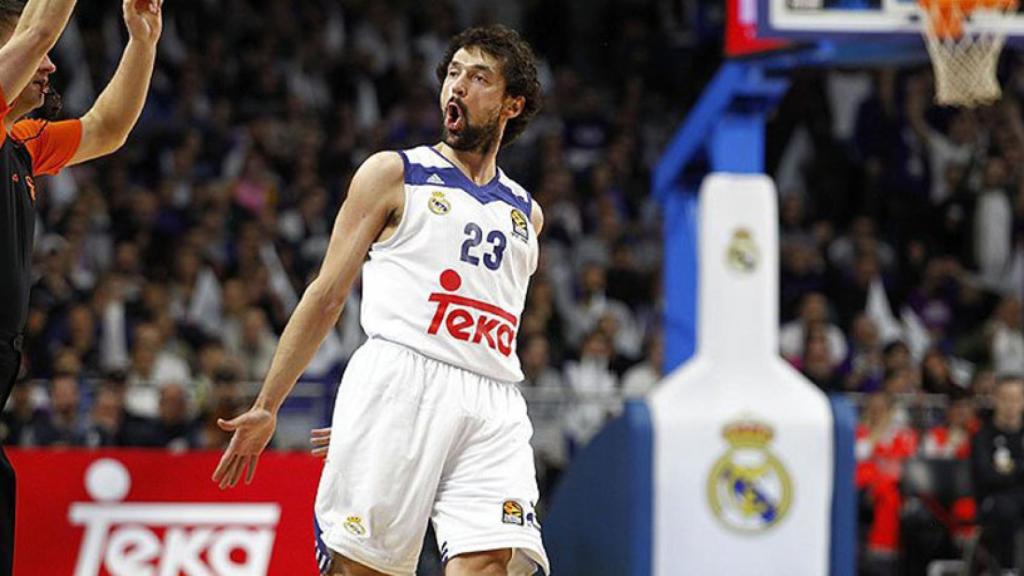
{"type": "Point", "coordinates": [758, 23]}
{"type": "Point", "coordinates": [857, 19]}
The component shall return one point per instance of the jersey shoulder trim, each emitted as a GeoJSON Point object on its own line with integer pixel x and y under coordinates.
{"type": "Point", "coordinates": [426, 157]}
{"type": "Point", "coordinates": [425, 166]}
{"type": "Point", "coordinates": [516, 190]}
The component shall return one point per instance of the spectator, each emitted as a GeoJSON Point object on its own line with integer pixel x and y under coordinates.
{"type": "Point", "coordinates": [593, 385]}
{"type": "Point", "coordinates": [1006, 338]}
{"type": "Point", "coordinates": [62, 425]}
{"type": "Point", "coordinates": [896, 356]}
{"type": "Point", "coordinates": [952, 440]}
{"type": "Point", "coordinates": [547, 401]}
{"type": "Point", "coordinates": [997, 457]}
{"type": "Point", "coordinates": [255, 345]}
{"type": "Point", "coordinates": [865, 365]}
{"type": "Point", "coordinates": [224, 401]}
{"type": "Point", "coordinates": [936, 374]}
{"type": "Point", "coordinates": [210, 359]}
{"type": "Point", "coordinates": [993, 224]}
{"type": "Point", "coordinates": [882, 445]}
{"type": "Point", "coordinates": [17, 418]}
{"type": "Point", "coordinates": [813, 309]}
{"type": "Point", "coordinates": [817, 364]}
{"type": "Point", "coordinates": [173, 428]}
{"type": "Point", "coordinates": [595, 304]}
{"type": "Point", "coordinates": [639, 380]}
{"type": "Point", "coordinates": [106, 418]}
{"type": "Point", "coordinates": [151, 367]}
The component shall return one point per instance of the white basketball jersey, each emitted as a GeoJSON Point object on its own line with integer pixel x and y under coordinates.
{"type": "Point", "coordinates": [451, 282]}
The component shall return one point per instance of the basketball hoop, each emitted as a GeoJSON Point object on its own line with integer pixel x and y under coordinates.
{"type": "Point", "coordinates": [964, 39]}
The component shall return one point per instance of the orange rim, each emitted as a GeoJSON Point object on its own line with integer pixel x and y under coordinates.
{"type": "Point", "coordinates": [947, 16]}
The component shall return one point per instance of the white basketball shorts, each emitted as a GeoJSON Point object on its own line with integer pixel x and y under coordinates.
{"type": "Point", "coordinates": [415, 439]}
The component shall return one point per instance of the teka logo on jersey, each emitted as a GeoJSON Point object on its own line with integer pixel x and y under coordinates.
{"type": "Point", "coordinates": [472, 320]}
{"type": "Point", "coordinates": [163, 538]}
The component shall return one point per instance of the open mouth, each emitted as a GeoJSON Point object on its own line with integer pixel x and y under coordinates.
{"type": "Point", "coordinates": [454, 117]}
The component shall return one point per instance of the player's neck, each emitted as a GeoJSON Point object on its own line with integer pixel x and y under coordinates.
{"type": "Point", "coordinates": [479, 167]}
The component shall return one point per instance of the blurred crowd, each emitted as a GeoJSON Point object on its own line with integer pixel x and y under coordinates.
{"type": "Point", "coordinates": [903, 270]}
{"type": "Point", "coordinates": [166, 273]}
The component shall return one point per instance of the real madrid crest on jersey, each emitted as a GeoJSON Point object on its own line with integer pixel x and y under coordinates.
{"type": "Point", "coordinates": [519, 229]}
{"type": "Point", "coordinates": [742, 254]}
{"type": "Point", "coordinates": [438, 203]}
{"type": "Point", "coordinates": [749, 490]}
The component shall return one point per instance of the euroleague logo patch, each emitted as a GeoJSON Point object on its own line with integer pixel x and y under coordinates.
{"type": "Point", "coordinates": [519, 229]}
{"type": "Point", "coordinates": [512, 513]}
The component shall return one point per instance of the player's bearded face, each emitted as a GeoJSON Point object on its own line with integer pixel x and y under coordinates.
{"type": "Point", "coordinates": [462, 133]}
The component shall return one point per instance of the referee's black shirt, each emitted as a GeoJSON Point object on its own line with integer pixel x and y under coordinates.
{"type": "Point", "coordinates": [32, 147]}
{"type": "Point", "coordinates": [17, 226]}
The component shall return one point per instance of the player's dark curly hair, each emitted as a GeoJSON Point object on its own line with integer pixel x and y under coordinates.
{"type": "Point", "coordinates": [10, 11]}
{"type": "Point", "coordinates": [518, 66]}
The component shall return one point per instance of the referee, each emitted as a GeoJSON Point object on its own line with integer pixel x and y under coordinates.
{"type": "Point", "coordinates": [30, 148]}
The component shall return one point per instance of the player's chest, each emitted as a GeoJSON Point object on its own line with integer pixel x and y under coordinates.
{"type": "Point", "coordinates": [490, 236]}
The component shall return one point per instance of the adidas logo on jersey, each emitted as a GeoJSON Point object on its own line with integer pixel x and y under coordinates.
{"type": "Point", "coordinates": [471, 320]}
{"type": "Point", "coordinates": [435, 179]}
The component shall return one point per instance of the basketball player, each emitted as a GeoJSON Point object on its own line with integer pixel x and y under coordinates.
{"type": "Point", "coordinates": [428, 423]}
{"type": "Point", "coordinates": [30, 148]}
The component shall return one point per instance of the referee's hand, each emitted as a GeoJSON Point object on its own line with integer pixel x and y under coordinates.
{"type": "Point", "coordinates": [253, 431]}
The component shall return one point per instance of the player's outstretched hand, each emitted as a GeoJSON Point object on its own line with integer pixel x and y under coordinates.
{"type": "Point", "coordinates": [253, 431]}
{"type": "Point", "coordinates": [320, 438]}
{"type": "Point", "coordinates": [143, 19]}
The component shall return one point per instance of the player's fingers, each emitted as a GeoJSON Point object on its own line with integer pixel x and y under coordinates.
{"type": "Point", "coordinates": [225, 481]}
{"type": "Point", "coordinates": [320, 432]}
{"type": "Point", "coordinates": [229, 425]}
{"type": "Point", "coordinates": [319, 452]}
{"type": "Point", "coordinates": [222, 466]}
{"type": "Point", "coordinates": [252, 469]}
{"type": "Point", "coordinates": [243, 463]}
{"type": "Point", "coordinates": [324, 441]}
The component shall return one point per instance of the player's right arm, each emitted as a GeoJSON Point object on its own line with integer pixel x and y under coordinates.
{"type": "Point", "coordinates": [374, 198]}
{"type": "Point", "coordinates": [40, 25]}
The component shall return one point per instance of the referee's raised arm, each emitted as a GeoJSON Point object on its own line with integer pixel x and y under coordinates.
{"type": "Point", "coordinates": [40, 25]}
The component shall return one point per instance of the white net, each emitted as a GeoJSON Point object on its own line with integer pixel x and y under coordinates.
{"type": "Point", "coordinates": [964, 40]}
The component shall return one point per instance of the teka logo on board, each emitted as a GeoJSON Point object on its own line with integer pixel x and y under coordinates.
{"type": "Point", "coordinates": [193, 539]}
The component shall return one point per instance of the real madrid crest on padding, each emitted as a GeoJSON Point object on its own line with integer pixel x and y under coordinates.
{"type": "Point", "coordinates": [438, 203]}
{"type": "Point", "coordinates": [749, 490]}
{"type": "Point", "coordinates": [742, 254]}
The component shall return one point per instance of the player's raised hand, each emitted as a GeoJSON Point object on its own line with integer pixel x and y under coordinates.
{"type": "Point", "coordinates": [144, 19]}
{"type": "Point", "coordinates": [253, 431]}
{"type": "Point", "coordinates": [320, 438]}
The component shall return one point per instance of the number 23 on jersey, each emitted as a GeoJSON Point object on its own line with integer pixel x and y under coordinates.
{"type": "Point", "coordinates": [492, 252]}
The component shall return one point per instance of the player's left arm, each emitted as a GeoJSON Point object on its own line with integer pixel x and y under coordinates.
{"type": "Point", "coordinates": [105, 127]}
